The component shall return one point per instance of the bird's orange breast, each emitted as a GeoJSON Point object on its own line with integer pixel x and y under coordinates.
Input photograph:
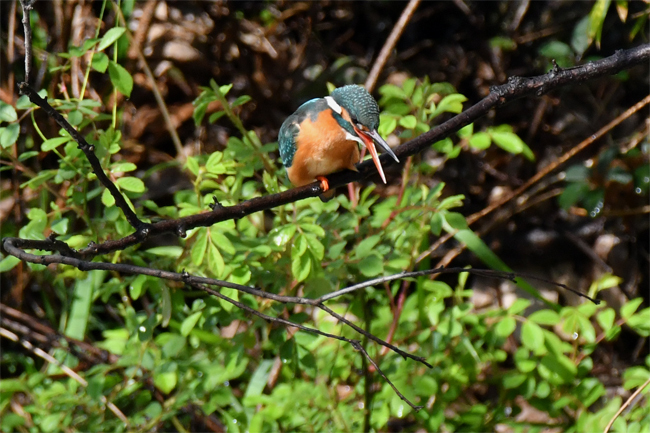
{"type": "Point", "coordinates": [322, 149]}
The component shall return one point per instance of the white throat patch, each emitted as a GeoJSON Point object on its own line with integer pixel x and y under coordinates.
{"type": "Point", "coordinates": [333, 104]}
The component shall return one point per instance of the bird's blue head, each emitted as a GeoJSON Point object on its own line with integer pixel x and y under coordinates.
{"type": "Point", "coordinates": [361, 106]}
{"type": "Point", "coordinates": [358, 114]}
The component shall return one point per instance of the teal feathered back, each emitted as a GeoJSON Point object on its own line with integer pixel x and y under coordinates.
{"type": "Point", "coordinates": [291, 127]}
{"type": "Point", "coordinates": [355, 99]}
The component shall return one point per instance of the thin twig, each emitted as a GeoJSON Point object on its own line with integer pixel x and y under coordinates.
{"type": "Point", "coordinates": [515, 88]}
{"type": "Point", "coordinates": [626, 404]}
{"type": "Point", "coordinates": [13, 246]}
{"type": "Point", "coordinates": [89, 151]}
{"type": "Point", "coordinates": [354, 343]}
{"type": "Point", "coordinates": [67, 370]}
{"type": "Point", "coordinates": [539, 175]}
{"type": "Point", "coordinates": [27, 7]}
{"type": "Point", "coordinates": [394, 36]}
{"type": "Point", "coordinates": [372, 337]}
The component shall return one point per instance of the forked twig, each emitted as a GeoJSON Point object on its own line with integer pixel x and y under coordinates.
{"type": "Point", "coordinates": [354, 343]}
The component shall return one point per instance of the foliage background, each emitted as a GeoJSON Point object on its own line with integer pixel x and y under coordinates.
{"type": "Point", "coordinates": [183, 361]}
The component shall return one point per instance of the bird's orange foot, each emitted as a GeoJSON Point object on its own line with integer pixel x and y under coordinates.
{"type": "Point", "coordinates": [323, 183]}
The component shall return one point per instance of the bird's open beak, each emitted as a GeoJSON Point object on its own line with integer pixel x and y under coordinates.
{"type": "Point", "coordinates": [369, 138]}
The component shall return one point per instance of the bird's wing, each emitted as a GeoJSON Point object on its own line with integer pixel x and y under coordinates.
{"type": "Point", "coordinates": [287, 139]}
{"type": "Point", "coordinates": [291, 128]}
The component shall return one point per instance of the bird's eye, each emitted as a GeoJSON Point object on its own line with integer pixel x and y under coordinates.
{"type": "Point", "coordinates": [361, 127]}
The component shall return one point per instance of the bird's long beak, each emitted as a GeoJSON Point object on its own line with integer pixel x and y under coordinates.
{"type": "Point", "coordinates": [369, 138]}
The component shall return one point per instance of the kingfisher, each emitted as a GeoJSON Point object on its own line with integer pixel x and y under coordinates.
{"type": "Point", "coordinates": [324, 134]}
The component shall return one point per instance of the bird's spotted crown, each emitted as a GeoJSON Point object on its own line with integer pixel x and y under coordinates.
{"type": "Point", "coordinates": [362, 107]}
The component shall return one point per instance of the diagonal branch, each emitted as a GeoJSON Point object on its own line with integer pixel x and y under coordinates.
{"type": "Point", "coordinates": [88, 150]}
{"type": "Point", "coordinates": [516, 88]}
{"type": "Point", "coordinates": [354, 343]}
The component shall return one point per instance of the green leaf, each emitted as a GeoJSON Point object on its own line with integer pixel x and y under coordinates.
{"type": "Point", "coordinates": [315, 247]}
{"type": "Point", "coordinates": [222, 241]}
{"type": "Point", "coordinates": [371, 266]}
{"type": "Point", "coordinates": [503, 43]}
{"type": "Point", "coordinates": [512, 380]}
{"type": "Point", "coordinates": [640, 322]}
{"type": "Point", "coordinates": [606, 318]}
{"type": "Point", "coordinates": [257, 382]}
{"type": "Point", "coordinates": [192, 165]}
{"type": "Point", "coordinates": [123, 167]}
{"type": "Point", "coordinates": [82, 301]}
{"type": "Point", "coordinates": [109, 37]}
{"type": "Point", "coordinates": [135, 288]}
{"type": "Point", "coordinates": [555, 50]}
{"type": "Point", "coordinates": [215, 260]}
{"type": "Point", "coordinates": [9, 135]}
{"type": "Point", "coordinates": [241, 100]}
{"type": "Point", "coordinates": [199, 247]}
{"type": "Point", "coordinates": [635, 376]}
{"type": "Point", "coordinates": [563, 369]}
{"type": "Point", "coordinates": [451, 104]}
{"type": "Point", "coordinates": [409, 87]}
{"type": "Point", "coordinates": [480, 140]}
{"type": "Point", "coordinates": [166, 381]}
{"type": "Point", "coordinates": [120, 78]}
{"type": "Point", "coordinates": [189, 323]}
{"type": "Point", "coordinates": [300, 259]}
{"type": "Point", "coordinates": [577, 173]}
{"type": "Point", "coordinates": [408, 122]}
{"type": "Point", "coordinates": [532, 336]}
{"type": "Point", "coordinates": [100, 62]}
{"type": "Point", "coordinates": [597, 19]}
{"type": "Point", "coordinates": [53, 143]}
{"type": "Point", "coordinates": [630, 307]}
{"type": "Point", "coordinates": [107, 198]}
{"type": "Point", "coordinates": [607, 281]}
{"type": "Point", "coordinates": [214, 165]}
{"type": "Point", "coordinates": [26, 155]}
{"type": "Point", "coordinates": [132, 184]}
{"type": "Point", "coordinates": [454, 218]}
{"type": "Point", "coordinates": [580, 40]}
{"type": "Point", "coordinates": [366, 246]}
{"type": "Point", "coordinates": [466, 131]}
{"type": "Point", "coordinates": [60, 226]}
{"type": "Point", "coordinates": [80, 51]}
{"type": "Point", "coordinates": [391, 90]}
{"type": "Point", "coordinates": [170, 251]}
{"type": "Point", "coordinates": [572, 194]}
{"type": "Point", "coordinates": [545, 317]}
{"type": "Point", "coordinates": [166, 306]}
{"type": "Point", "coordinates": [508, 141]}
{"type": "Point", "coordinates": [518, 306]}
{"type": "Point", "coordinates": [444, 146]}
{"type": "Point", "coordinates": [7, 113]}
{"type": "Point", "coordinates": [8, 263]}
{"type": "Point", "coordinates": [505, 327]}
{"type": "Point", "coordinates": [387, 125]}
{"type": "Point", "coordinates": [216, 116]}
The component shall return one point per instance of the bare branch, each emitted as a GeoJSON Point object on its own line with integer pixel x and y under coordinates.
{"type": "Point", "coordinates": [394, 36]}
{"type": "Point", "coordinates": [27, 7]}
{"type": "Point", "coordinates": [88, 150]}
{"type": "Point", "coordinates": [354, 343]}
